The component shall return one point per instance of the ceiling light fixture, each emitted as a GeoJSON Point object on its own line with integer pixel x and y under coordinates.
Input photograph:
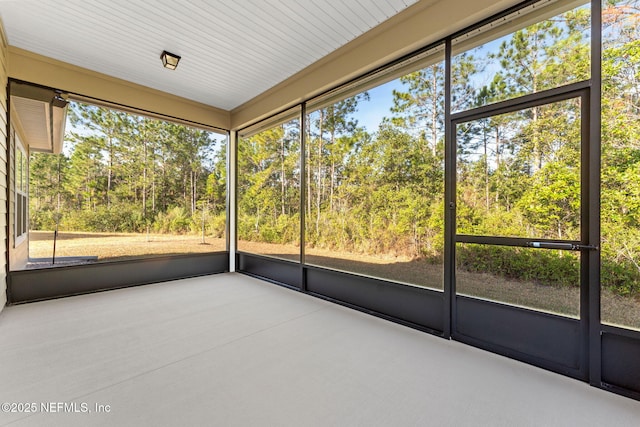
{"type": "Point", "coordinates": [169, 60]}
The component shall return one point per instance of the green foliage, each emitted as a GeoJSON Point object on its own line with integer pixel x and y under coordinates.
{"type": "Point", "coordinates": [541, 266]}
{"type": "Point", "coordinates": [551, 203]}
{"type": "Point", "coordinates": [43, 219]}
{"type": "Point", "coordinates": [126, 173]}
{"type": "Point", "coordinates": [620, 277]}
{"type": "Point", "coordinates": [175, 221]}
{"type": "Point", "coordinates": [518, 174]}
{"type": "Point", "coordinates": [380, 191]}
{"type": "Point", "coordinates": [126, 218]}
{"type": "Point", "coordinates": [216, 225]}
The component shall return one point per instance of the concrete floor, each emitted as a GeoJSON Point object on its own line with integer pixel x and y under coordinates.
{"type": "Point", "coordinates": [230, 350]}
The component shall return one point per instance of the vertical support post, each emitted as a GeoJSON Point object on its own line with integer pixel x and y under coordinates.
{"type": "Point", "coordinates": [232, 205]}
{"type": "Point", "coordinates": [585, 232]}
{"type": "Point", "coordinates": [595, 120]}
{"type": "Point", "coordinates": [449, 197]}
{"type": "Point", "coordinates": [303, 194]}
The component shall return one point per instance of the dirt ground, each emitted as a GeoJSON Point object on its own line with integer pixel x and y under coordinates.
{"type": "Point", "coordinates": [563, 300]}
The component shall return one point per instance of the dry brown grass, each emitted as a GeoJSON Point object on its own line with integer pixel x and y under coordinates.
{"type": "Point", "coordinates": [563, 300]}
{"type": "Point", "coordinates": [624, 311]}
{"type": "Point", "coordinates": [117, 246]}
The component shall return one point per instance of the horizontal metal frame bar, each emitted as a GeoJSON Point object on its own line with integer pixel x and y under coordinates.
{"type": "Point", "coordinates": [520, 356]}
{"type": "Point", "coordinates": [545, 97]}
{"type": "Point", "coordinates": [283, 116]}
{"type": "Point", "coordinates": [86, 99]}
{"type": "Point", "coordinates": [364, 276]}
{"type": "Point", "coordinates": [267, 257]}
{"type": "Point", "coordinates": [616, 330]}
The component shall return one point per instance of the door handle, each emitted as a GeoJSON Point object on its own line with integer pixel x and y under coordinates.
{"type": "Point", "coordinates": [562, 246]}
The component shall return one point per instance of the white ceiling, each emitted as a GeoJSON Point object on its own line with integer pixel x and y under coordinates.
{"type": "Point", "coordinates": [232, 50]}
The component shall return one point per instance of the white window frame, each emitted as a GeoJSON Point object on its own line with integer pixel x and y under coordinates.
{"type": "Point", "coordinates": [21, 191]}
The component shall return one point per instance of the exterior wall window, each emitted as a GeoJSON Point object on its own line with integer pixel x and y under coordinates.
{"type": "Point", "coordinates": [22, 197]}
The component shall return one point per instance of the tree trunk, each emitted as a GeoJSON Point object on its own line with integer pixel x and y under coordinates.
{"type": "Point", "coordinates": [537, 149]}
{"type": "Point", "coordinates": [333, 169]}
{"type": "Point", "coordinates": [192, 191]}
{"type": "Point", "coordinates": [153, 182]}
{"type": "Point", "coordinates": [434, 112]}
{"type": "Point", "coordinates": [307, 159]}
{"type": "Point", "coordinates": [497, 142]}
{"type": "Point", "coordinates": [308, 166]}
{"type": "Point", "coordinates": [486, 168]}
{"type": "Point", "coordinates": [195, 190]}
{"type": "Point", "coordinates": [144, 178]}
{"type": "Point", "coordinates": [109, 172]}
{"type": "Point", "coordinates": [333, 179]}
{"type": "Point", "coordinates": [153, 194]}
{"type": "Point", "coordinates": [164, 180]}
{"type": "Point", "coordinates": [319, 173]}
{"type": "Point", "coordinates": [282, 176]}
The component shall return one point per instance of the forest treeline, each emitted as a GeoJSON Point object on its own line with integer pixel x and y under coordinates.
{"type": "Point", "coordinates": [126, 173]}
{"type": "Point", "coordinates": [381, 191]}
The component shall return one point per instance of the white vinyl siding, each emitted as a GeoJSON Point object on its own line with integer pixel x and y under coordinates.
{"type": "Point", "coordinates": [3, 167]}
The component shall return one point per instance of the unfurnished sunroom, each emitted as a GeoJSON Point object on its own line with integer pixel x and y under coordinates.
{"type": "Point", "coordinates": [467, 169]}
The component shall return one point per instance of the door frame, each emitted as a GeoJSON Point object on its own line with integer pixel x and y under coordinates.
{"type": "Point", "coordinates": [555, 342]}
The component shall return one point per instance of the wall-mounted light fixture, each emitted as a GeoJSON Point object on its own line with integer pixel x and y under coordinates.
{"type": "Point", "coordinates": [169, 60]}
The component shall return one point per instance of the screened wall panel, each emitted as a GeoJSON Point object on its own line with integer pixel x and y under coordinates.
{"type": "Point", "coordinates": [540, 47]}
{"type": "Point", "coordinates": [126, 186]}
{"type": "Point", "coordinates": [545, 280]}
{"type": "Point", "coordinates": [518, 173]}
{"type": "Point", "coordinates": [375, 179]}
{"type": "Point", "coordinates": [620, 172]}
{"type": "Point", "coordinates": [519, 190]}
{"type": "Point", "coordinates": [269, 189]}
{"type": "Point", "coordinates": [472, 167]}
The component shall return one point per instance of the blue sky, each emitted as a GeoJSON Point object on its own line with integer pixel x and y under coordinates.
{"type": "Point", "coordinates": [370, 113]}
